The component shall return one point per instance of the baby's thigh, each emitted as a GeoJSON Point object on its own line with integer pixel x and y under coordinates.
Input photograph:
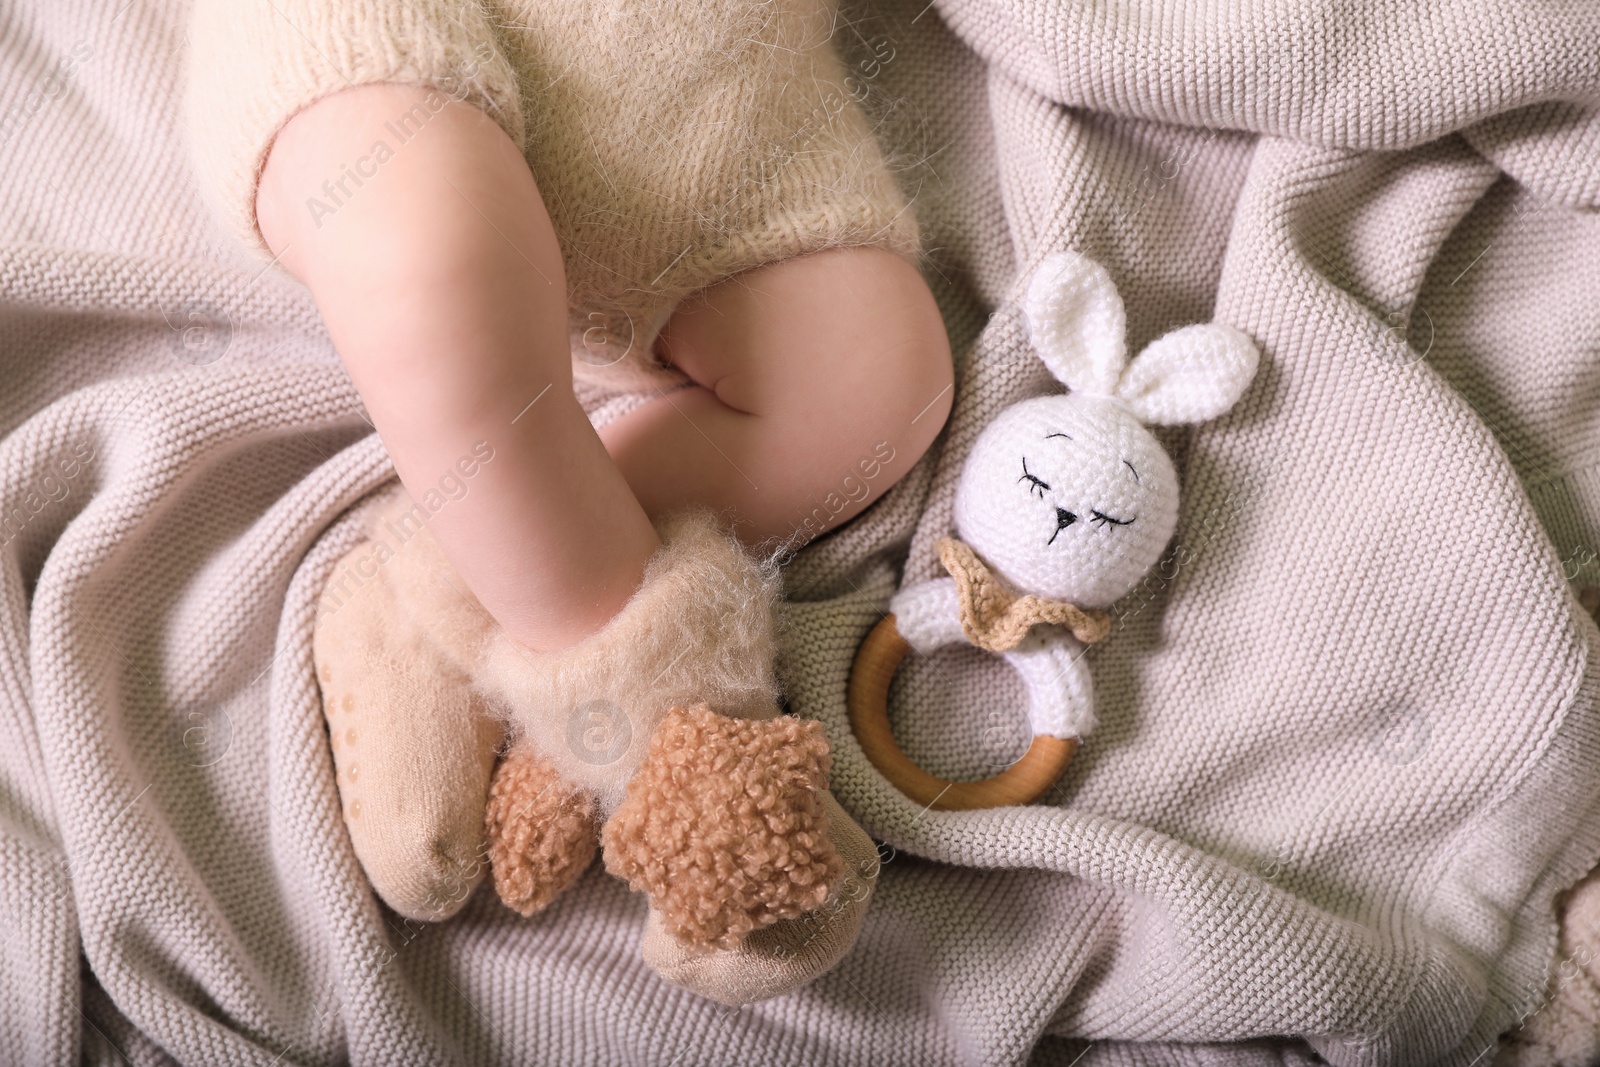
{"type": "Point", "coordinates": [831, 347]}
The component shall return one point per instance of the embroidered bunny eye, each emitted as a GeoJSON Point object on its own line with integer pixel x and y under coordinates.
{"type": "Point", "coordinates": [1034, 483]}
{"type": "Point", "coordinates": [1100, 518]}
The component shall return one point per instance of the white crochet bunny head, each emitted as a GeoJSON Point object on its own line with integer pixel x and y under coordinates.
{"type": "Point", "coordinates": [1069, 496]}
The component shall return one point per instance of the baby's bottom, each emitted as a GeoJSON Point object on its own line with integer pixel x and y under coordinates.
{"type": "Point", "coordinates": [818, 382]}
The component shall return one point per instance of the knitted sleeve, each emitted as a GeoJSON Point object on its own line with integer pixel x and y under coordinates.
{"type": "Point", "coordinates": [252, 64]}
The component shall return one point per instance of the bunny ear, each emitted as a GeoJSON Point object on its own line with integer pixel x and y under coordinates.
{"type": "Point", "coordinates": [1189, 375]}
{"type": "Point", "coordinates": [1076, 322]}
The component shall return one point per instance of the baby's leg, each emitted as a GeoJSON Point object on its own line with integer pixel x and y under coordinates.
{"type": "Point", "coordinates": [820, 380]}
{"type": "Point", "coordinates": [440, 280]}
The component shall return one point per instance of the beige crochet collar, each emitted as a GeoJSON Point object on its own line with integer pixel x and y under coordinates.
{"type": "Point", "coordinates": [995, 618]}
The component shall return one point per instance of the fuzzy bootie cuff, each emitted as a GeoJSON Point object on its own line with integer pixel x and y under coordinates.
{"type": "Point", "coordinates": [700, 629]}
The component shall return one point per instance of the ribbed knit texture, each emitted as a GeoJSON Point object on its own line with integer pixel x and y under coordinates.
{"type": "Point", "coordinates": [1348, 742]}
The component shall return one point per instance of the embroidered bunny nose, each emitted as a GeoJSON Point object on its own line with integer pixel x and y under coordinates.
{"type": "Point", "coordinates": [1064, 518]}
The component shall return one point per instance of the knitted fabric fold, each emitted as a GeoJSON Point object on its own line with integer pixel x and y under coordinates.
{"type": "Point", "coordinates": [1349, 731]}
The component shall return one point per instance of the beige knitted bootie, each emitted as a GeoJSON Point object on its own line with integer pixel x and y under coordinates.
{"type": "Point", "coordinates": [412, 747]}
{"type": "Point", "coordinates": [665, 724]}
{"type": "Point", "coordinates": [1562, 1028]}
{"type": "Point", "coordinates": [785, 955]}
{"type": "Point", "coordinates": [758, 880]}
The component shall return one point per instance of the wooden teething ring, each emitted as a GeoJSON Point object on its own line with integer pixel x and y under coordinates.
{"type": "Point", "coordinates": [867, 700]}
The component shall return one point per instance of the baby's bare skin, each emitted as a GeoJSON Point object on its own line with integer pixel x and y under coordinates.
{"type": "Point", "coordinates": [818, 381]}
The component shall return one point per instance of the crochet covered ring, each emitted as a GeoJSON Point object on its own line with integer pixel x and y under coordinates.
{"type": "Point", "coordinates": [868, 703]}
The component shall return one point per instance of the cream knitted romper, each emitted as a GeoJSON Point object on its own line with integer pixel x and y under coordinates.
{"type": "Point", "coordinates": [675, 142]}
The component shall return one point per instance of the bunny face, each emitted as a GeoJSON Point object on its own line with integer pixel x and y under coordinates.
{"type": "Point", "coordinates": [1068, 497]}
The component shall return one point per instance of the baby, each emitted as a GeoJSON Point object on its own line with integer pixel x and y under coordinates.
{"type": "Point", "coordinates": [498, 204]}
{"type": "Point", "coordinates": [681, 198]}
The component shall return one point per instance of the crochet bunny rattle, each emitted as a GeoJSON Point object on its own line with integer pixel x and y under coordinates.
{"type": "Point", "coordinates": [1063, 504]}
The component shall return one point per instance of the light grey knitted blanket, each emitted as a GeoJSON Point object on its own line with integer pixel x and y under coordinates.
{"type": "Point", "coordinates": [1349, 748]}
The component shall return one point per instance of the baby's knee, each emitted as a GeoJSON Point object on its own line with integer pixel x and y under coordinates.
{"type": "Point", "coordinates": [832, 352]}
{"type": "Point", "coordinates": [877, 414]}
{"type": "Point", "coordinates": [909, 377]}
